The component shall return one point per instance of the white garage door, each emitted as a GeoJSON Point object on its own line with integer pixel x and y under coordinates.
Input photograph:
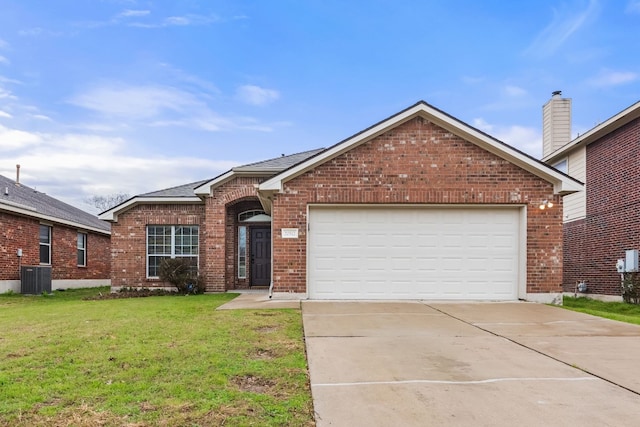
{"type": "Point", "coordinates": [413, 253]}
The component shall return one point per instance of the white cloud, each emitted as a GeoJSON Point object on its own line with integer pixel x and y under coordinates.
{"type": "Point", "coordinates": [74, 166]}
{"type": "Point", "coordinates": [3, 60]}
{"type": "Point", "coordinates": [178, 21]}
{"type": "Point", "coordinates": [255, 95]}
{"type": "Point", "coordinates": [565, 24]}
{"type": "Point", "coordinates": [613, 78]}
{"type": "Point", "coordinates": [526, 139]}
{"type": "Point", "coordinates": [5, 115]}
{"type": "Point", "coordinates": [3, 44]}
{"type": "Point", "coordinates": [162, 106]}
{"type": "Point", "coordinates": [5, 94]}
{"type": "Point", "coordinates": [129, 13]}
{"type": "Point", "coordinates": [13, 139]}
{"type": "Point", "coordinates": [135, 102]}
{"type": "Point", "coordinates": [38, 31]}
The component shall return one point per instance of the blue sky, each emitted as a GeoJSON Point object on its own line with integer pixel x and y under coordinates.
{"type": "Point", "coordinates": [107, 96]}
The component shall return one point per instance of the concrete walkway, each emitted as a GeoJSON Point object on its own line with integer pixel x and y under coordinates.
{"type": "Point", "coordinates": [476, 364]}
{"type": "Point", "coordinates": [258, 300]}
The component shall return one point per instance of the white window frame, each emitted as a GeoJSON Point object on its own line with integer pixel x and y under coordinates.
{"type": "Point", "coordinates": [47, 244]}
{"type": "Point", "coordinates": [172, 245]}
{"type": "Point", "coordinates": [82, 248]}
{"type": "Point", "coordinates": [242, 258]}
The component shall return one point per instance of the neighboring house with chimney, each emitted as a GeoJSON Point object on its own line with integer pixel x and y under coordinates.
{"type": "Point", "coordinates": [417, 206]}
{"type": "Point", "coordinates": [600, 223]}
{"type": "Point", "coordinates": [39, 230]}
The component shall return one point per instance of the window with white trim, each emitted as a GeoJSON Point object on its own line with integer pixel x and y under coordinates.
{"type": "Point", "coordinates": [171, 241]}
{"type": "Point", "coordinates": [45, 244]}
{"type": "Point", "coordinates": [242, 252]}
{"type": "Point", "coordinates": [82, 249]}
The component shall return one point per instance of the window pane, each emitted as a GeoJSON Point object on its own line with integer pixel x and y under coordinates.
{"type": "Point", "coordinates": [45, 235]}
{"type": "Point", "coordinates": [82, 249]}
{"type": "Point", "coordinates": [44, 254]}
{"type": "Point", "coordinates": [171, 241]}
{"type": "Point", "coordinates": [242, 252]}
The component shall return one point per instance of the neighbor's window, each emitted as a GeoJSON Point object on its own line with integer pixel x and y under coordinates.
{"type": "Point", "coordinates": [242, 252]}
{"type": "Point", "coordinates": [45, 244]}
{"type": "Point", "coordinates": [82, 250]}
{"type": "Point", "coordinates": [171, 241]}
{"type": "Point", "coordinates": [561, 166]}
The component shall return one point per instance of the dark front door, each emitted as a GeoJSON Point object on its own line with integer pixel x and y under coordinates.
{"type": "Point", "coordinates": [260, 256]}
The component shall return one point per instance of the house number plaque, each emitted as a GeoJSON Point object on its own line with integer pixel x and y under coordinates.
{"type": "Point", "coordinates": [289, 233]}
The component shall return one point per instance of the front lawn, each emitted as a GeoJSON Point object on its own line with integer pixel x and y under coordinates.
{"type": "Point", "coordinates": [621, 311]}
{"type": "Point", "coordinates": [168, 361]}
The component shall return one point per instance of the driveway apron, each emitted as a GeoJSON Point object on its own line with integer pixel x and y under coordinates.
{"type": "Point", "coordinates": [476, 364]}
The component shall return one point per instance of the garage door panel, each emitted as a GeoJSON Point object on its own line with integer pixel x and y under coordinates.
{"type": "Point", "coordinates": [410, 253]}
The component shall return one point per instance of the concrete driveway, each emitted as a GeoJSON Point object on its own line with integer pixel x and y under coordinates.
{"type": "Point", "coordinates": [475, 364]}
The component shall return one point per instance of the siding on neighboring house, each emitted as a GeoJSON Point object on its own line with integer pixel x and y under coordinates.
{"type": "Point", "coordinates": [575, 205]}
{"type": "Point", "coordinates": [592, 245]}
{"type": "Point", "coordinates": [419, 162]}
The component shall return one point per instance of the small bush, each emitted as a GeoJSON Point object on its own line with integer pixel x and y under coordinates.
{"type": "Point", "coordinates": [181, 274]}
{"type": "Point", "coordinates": [631, 288]}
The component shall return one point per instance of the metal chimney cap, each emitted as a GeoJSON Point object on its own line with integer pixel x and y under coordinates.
{"type": "Point", "coordinates": [556, 93]}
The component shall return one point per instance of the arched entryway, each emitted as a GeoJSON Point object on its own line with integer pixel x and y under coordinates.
{"type": "Point", "coordinates": [249, 239]}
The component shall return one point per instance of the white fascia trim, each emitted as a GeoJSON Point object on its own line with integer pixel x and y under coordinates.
{"type": "Point", "coordinates": [112, 214]}
{"type": "Point", "coordinates": [275, 183]}
{"type": "Point", "coordinates": [562, 184]}
{"type": "Point", "coordinates": [34, 214]}
{"type": "Point", "coordinates": [205, 189]}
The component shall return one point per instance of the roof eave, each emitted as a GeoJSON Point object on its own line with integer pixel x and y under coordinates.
{"type": "Point", "coordinates": [34, 214]}
{"type": "Point", "coordinates": [559, 180]}
{"type": "Point", "coordinates": [111, 215]}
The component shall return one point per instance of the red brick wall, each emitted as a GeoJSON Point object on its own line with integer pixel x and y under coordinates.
{"type": "Point", "coordinates": [574, 250]}
{"type": "Point", "coordinates": [22, 232]}
{"type": "Point", "coordinates": [613, 209]}
{"type": "Point", "coordinates": [129, 240]}
{"type": "Point", "coordinates": [418, 162]}
{"type": "Point", "coordinates": [221, 226]}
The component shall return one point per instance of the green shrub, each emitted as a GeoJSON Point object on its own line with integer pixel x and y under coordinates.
{"type": "Point", "coordinates": [631, 288]}
{"type": "Point", "coordinates": [181, 274]}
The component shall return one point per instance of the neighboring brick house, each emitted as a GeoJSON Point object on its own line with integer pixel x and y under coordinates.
{"type": "Point", "coordinates": [601, 223]}
{"type": "Point", "coordinates": [46, 231]}
{"type": "Point", "coordinates": [418, 206]}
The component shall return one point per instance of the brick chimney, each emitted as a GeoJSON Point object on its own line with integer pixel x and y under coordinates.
{"type": "Point", "coordinates": [556, 123]}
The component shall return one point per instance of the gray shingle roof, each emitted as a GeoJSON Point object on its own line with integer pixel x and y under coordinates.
{"type": "Point", "coordinates": [185, 190]}
{"type": "Point", "coordinates": [278, 164]}
{"type": "Point", "coordinates": [30, 200]}
{"type": "Point", "coordinates": [274, 165]}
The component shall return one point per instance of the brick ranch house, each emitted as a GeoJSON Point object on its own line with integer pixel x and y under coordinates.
{"type": "Point", "coordinates": [418, 206]}
{"type": "Point", "coordinates": [600, 223]}
{"type": "Point", "coordinates": [48, 232]}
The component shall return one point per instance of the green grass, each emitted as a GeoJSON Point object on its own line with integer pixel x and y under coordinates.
{"type": "Point", "coordinates": [169, 361]}
{"type": "Point", "coordinates": [621, 311]}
